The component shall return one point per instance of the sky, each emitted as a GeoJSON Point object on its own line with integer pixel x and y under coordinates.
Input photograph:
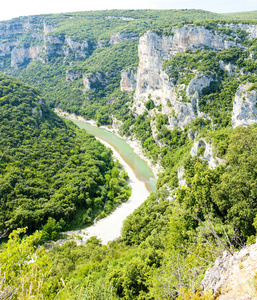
{"type": "Point", "coordinates": [15, 8]}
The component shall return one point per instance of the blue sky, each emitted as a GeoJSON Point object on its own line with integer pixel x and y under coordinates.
{"type": "Point", "coordinates": [15, 8]}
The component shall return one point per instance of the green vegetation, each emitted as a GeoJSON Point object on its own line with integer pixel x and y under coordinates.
{"type": "Point", "coordinates": [248, 15]}
{"type": "Point", "coordinates": [53, 174]}
{"type": "Point", "coordinates": [50, 170]}
{"type": "Point", "coordinates": [166, 246]}
{"type": "Point", "coordinates": [96, 29]}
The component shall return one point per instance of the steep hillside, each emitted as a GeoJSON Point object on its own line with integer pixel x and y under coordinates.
{"type": "Point", "coordinates": [62, 54]}
{"type": "Point", "coordinates": [187, 93]}
{"type": "Point", "coordinates": [49, 168]}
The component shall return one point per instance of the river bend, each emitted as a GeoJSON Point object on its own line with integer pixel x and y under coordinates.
{"type": "Point", "coordinates": [141, 181]}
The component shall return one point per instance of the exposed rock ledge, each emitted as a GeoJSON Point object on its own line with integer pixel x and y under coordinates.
{"type": "Point", "coordinates": [132, 142]}
{"type": "Point", "coordinates": [206, 154]}
{"type": "Point", "coordinates": [244, 106]}
{"type": "Point", "coordinates": [233, 277]}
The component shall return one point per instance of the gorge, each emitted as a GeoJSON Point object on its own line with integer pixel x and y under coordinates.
{"type": "Point", "coordinates": [181, 86]}
{"type": "Point", "coordinates": [140, 180]}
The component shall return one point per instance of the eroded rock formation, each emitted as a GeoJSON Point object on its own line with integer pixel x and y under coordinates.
{"type": "Point", "coordinates": [244, 106]}
{"type": "Point", "coordinates": [128, 80]}
{"type": "Point", "coordinates": [232, 276]}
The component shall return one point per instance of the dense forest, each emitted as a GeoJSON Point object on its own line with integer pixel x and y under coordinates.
{"type": "Point", "coordinates": [55, 177]}
{"type": "Point", "coordinates": [50, 170]}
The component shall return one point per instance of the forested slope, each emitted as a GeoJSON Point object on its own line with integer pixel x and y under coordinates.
{"type": "Point", "coordinates": [62, 54]}
{"type": "Point", "coordinates": [49, 168]}
{"type": "Point", "coordinates": [188, 94]}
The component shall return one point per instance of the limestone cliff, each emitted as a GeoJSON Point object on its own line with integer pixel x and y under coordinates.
{"type": "Point", "coordinates": [153, 80]}
{"type": "Point", "coordinates": [43, 44]}
{"type": "Point", "coordinates": [244, 106]}
{"type": "Point", "coordinates": [92, 80]}
{"type": "Point", "coordinates": [20, 55]}
{"type": "Point", "coordinates": [128, 80]}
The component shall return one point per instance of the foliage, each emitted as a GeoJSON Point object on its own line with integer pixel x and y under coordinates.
{"type": "Point", "coordinates": [25, 268]}
{"type": "Point", "coordinates": [48, 167]}
{"type": "Point", "coordinates": [53, 174]}
{"type": "Point", "coordinates": [149, 104]}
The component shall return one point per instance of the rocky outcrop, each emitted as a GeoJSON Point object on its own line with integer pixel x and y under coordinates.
{"type": "Point", "coordinates": [80, 49]}
{"type": "Point", "coordinates": [44, 43]}
{"type": "Point", "coordinates": [128, 80]}
{"type": "Point", "coordinates": [151, 50]}
{"type": "Point", "coordinates": [94, 79]}
{"type": "Point", "coordinates": [51, 45]}
{"type": "Point", "coordinates": [6, 48]}
{"type": "Point", "coordinates": [116, 38]}
{"type": "Point", "coordinates": [229, 68]}
{"type": "Point", "coordinates": [17, 27]}
{"type": "Point", "coordinates": [154, 82]}
{"type": "Point", "coordinates": [244, 106]}
{"type": "Point", "coordinates": [251, 29]}
{"type": "Point", "coordinates": [48, 28]}
{"type": "Point", "coordinates": [86, 83]}
{"type": "Point", "coordinates": [21, 55]}
{"type": "Point", "coordinates": [121, 18]}
{"type": "Point", "coordinates": [193, 37]}
{"type": "Point", "coordinates": [233, 276]}
{"type": "Point", "coordinates": [197, 84]}
{"type": "Point", "coordinates": [204, 150]}
{"type": "Point", "coordinates": [70, 76]}
{"type": "Point", "coordinates": [122, 37]}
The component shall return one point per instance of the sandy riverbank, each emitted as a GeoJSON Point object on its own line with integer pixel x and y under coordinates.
{"type": "Point", "coordinates": [109, 228]}
{"type": "Point", "coordinates": [133, 143]}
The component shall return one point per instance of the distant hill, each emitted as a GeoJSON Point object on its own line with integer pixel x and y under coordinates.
{"type": "Point", "coordinates": [248, 15]}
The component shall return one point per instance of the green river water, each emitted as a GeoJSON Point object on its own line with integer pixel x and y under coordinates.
{"type": "Point", "coordinates": [139, 166]}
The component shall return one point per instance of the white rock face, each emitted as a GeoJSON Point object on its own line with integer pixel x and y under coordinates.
{"type": "Point", "coordinates": [193, 37]}
{"type": "Point", "coordinates": [232, 276]}
{"type": "Point", "coordinates": [20, 55]}
{"type": "Point", "coordinates": [244, 106]}
{"type": "Point", "coordinates": [50, 39]}
{"type": "Point", "coordinates": [151, 50]}
{"type": "Point", "coordinates": [13, 28]}
{"type": "Point", "coordinates": [128, 80]}
{"type": "Point", "coordinates": [5, 49]}
{"type": "Point", "coordinates": [122, 37]}
{"type": "Point", "coordinates": [121, 18]}
{"type": "Point", "coordinates": [229, 68]}
{"type": "Point", "coordinates": [48, 28]}
{"type": "Point", "coordinates": [97, 77]}
{"type": "Point", "coordinates": [151, 79]}
{"type": "Point", "coordinates": [207, 154]}
{"type": "Point", "coordinates": [181, 179]}
{"type": "Point", "coordinates": [116, 38]}
{"type": "Point", "coordinates": [197, 84]}
{"type": "Point", "coordinates": [250, 29]}
{"type": "Point", "coordinates": [86, 83]}
{"type": "Point", "coordinates": [50, 44]}
{"type": "Point", "coordinates": [153, 82]}
{"type": "Point", "coordinates": [80, 49]}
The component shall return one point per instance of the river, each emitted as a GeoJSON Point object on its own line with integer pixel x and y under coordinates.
{"type": "Point", "coordinates": [140, 178]}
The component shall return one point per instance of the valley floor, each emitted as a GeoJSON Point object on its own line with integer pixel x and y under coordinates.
{"type": "Point", "coordinates": [109, 228]}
